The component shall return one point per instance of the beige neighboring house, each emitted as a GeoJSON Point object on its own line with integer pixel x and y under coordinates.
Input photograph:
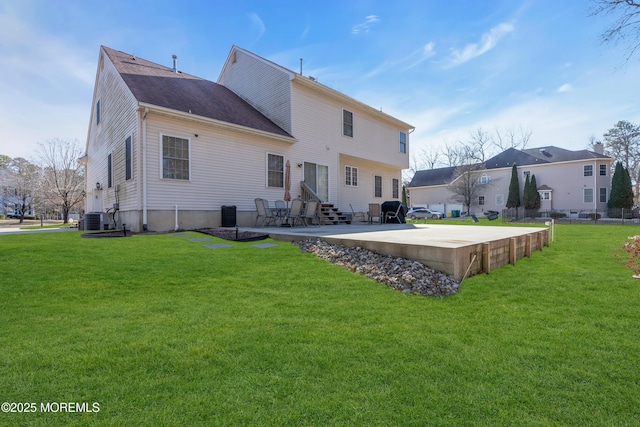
{"type": "Point", "coordinates": [574, 182]}
{"type": "Point", "coordinates": [164, 144]}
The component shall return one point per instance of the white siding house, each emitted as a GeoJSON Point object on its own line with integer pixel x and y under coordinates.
{"type": "Point", "coordinates": [162, 142]}
{"type": "Point", "coordinates": [571, 181]}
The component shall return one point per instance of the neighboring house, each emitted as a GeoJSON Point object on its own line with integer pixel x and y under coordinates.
{"type": "Point", "coordinates": [163, 144]}
{"type": "Point", "coordinates": [571, 181]}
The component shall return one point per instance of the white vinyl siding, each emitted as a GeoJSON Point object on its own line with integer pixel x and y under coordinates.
{"type": "Point", "coordinates": [248, 76]}
{"type": "Point", "coordinates": [118, 121]}
{"type": "Point", "coordinates": [175, 158]}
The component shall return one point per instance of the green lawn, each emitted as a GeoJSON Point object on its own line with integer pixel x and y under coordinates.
{"type": "Point", "coordinates": [160, 330]}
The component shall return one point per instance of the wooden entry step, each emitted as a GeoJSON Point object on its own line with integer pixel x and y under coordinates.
{"type": "Point", "coordinates": [330, 215]}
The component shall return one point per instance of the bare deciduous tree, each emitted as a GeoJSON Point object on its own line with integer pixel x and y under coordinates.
{"type": "Point", "coordinates": [623, 143]}
{"type": "Point", "coordinates": [512, 138]}
{"type": "Point", "coordinates": [626, 27]}
{"type": "Point", "coordinates": [466, 184]}
{"type": "Point", "coordinates": [21, 180]}
{"type": "Point", "coordinates": [63, 180]}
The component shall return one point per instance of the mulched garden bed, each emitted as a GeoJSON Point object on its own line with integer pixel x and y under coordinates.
{"type": "Point", "coordinates": [233, 234]}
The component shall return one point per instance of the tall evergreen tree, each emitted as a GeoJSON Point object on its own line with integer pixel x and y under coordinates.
{"type": "Point", "coordinates": [534, 196]}
{"type": "Point", "coordinates": [621, 189]}
{"type": "Point", "coordinates": [526, 196]}
{"type": "Point", "coordinates": [513, 201]}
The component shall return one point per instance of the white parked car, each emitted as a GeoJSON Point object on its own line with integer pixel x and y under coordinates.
{"type": "Point", "coordinates": [418, 212]}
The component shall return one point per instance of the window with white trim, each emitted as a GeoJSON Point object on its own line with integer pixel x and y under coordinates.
{"type": "Point", "coordinates": [275, 170]}
{"type": "Point", "coordinates": [403, 142]}
{"type": "Point", "coordinates": [603, 170]}
{"type": "Point", "coordinates": [587, 195]}
{"type": "Point", "coordinates": [110, 170]}
{"type": "Point", "coordinates": [377, 186]}
{"type": "Point", "coordinates": [175, 158]}
{"type": "Point", "coordinates": [484, 179]}
{"type": "Point", "coordinates": [395, 188]}
{"type": "Point", "coordinates": [481, 200]}
{"type": "Point", "coordinates": [603, 195]}
{"type": "Point", "coordinates": [350, 176]}
{"type": "Point", "coordinates": [347, 123]}
{"type": "Point", "coordinates": [128, 159]}
{"type": "Point", "coordinates": [545, 195]}
{"type": "Point", "coordinates": [526, 174]}
{"type": "Point", "coordinates": [588, 170]}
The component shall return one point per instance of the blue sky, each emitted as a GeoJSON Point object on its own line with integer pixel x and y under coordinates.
{"type": "Point", "coordinates": [448, 67]}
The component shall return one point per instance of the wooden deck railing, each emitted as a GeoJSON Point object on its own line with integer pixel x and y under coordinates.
{"type": "Point", "coordinates": [308, 193]}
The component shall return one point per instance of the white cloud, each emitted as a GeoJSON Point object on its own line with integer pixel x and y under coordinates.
{"type": "Point", "coordinates": [364, 27]}
{"type": "Point", "coordinates": [258, 24]}
{"type": "Point", "coordinates": [488, 41]}
{"type": "Point", "coordinates": [413, 59]}
{"type": "Point", "coordinates": [565, 88]}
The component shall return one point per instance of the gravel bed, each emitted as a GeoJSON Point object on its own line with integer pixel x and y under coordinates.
{"type": "Point", "coordinates": [410, 277]}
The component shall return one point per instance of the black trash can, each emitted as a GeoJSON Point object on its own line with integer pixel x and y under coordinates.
{"type": "Point", "coordinates": [392, 206]}
{"type": "Point", "coordinates": [228, 216]}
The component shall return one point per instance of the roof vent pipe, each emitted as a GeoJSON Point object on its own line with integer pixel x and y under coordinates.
{"type": "Point", "coordinates": [175, 63]}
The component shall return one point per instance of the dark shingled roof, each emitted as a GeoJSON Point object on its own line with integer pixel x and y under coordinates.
{"type": "Point", "coordinates": [425, 178]}
{"type": "Point", "coordinates": [158, 85]}
{"type": "Point", "coordinates": [506, 159]}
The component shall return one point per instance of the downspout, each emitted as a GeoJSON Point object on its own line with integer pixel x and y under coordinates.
{"type": "Point", "coordinates": [596, 190]}
{"type": "Point", "coordinates": [143, 153]}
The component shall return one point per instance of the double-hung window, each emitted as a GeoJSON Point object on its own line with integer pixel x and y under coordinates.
{"type": "Point", "coordinates": [588, 195]}
{"type": "Point", "coordinates": [110, 170]}
{"type": "Point", "coordinates": [588, 170]}
{"type": "Point", "coordinates": [603, 195]}
{"type": "Point", "coordinates": [128, 159]}
{"type": "Point", "coordinates": [395, 183]}
{"type": "Point", "coordinates": [403, 142]}
{"type": "Point", "coordinates": [350, 176]}
{"type": "Point", "coordinates": [377, 186]}
{"type": "Point", "coordinates": [603, 170]}
{"type": "Point", "coordinates": [275, 170]}
{"type": "Point", "coordinates": [347, 123]}
{"type": "Point", "coordinates": [175, 157]}
{"type": "Point", "coordinates": [481, 200]}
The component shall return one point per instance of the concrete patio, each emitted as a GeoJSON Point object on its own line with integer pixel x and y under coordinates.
{"type": "Point", "coordinates": [457, 250]}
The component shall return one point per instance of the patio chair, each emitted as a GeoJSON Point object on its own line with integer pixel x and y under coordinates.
{"type": "Point", "coordinates": [393, 215]}
{"type": "Point", "coordinates": [311, 213]}
{"type": "Point", "coordinates": [263, 212]}
{"type": "Point", "coordinates": [295, 213]}
{"type": "Point", "coordinates": [280, 210]}
{"type": "Point", "coordinates": [355, 215]}
{"type": "Point", "coordinates": [374, 212]}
